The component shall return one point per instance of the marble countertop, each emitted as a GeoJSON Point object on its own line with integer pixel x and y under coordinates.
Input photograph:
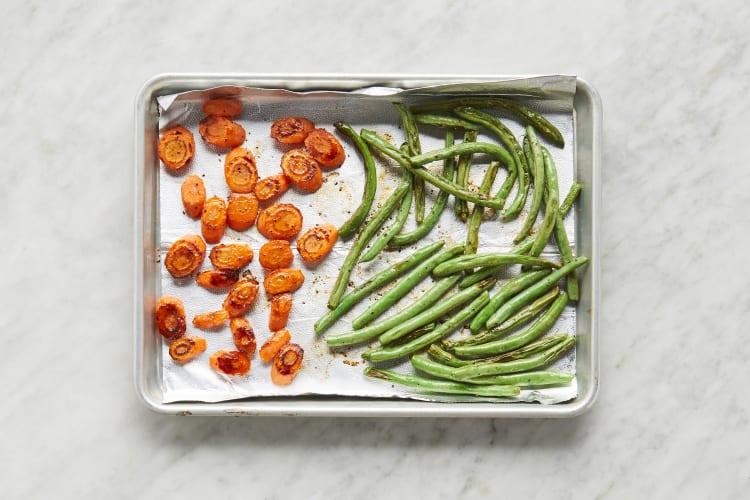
{"type": "Point", "coordinates": [671, 418]}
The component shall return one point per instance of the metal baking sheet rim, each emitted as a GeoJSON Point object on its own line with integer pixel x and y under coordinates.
{"type": "Point", "coordinates": [588, 132]}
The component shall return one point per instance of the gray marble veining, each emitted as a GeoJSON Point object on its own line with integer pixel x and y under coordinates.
{"type": "Point", "coordinates": [672, 416]}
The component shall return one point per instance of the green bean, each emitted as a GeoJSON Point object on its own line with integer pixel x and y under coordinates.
{"type": "Point", "coordinates": [523, 246]}
{"type": "Point", "coordinates": [388, 353]}
{"type": "Point", "coordinates": [472, 232]}
{"type": "Point", "coordinates": [497, 152]}
{"type": "Point", "coordinates": [502, 194]}
{"type": "Point", "coordinates": [350, 227]}
{"type": "Point", "coordinates": [509, 289]}
{"type": "Point", "coordinates": [364, 236]}
{"type": "Point", "coordinates": [437, 209]}
{"type": "Point", "coordinates": [386, 148]}
{"type": "Point", "coordinates": [540, 326]}
{"type": "Point", "coordinates": [462, 176]}
{"type": "Point", "coordinates": [444, 121]}
{"type": "Point", "coordinates": [439, 386]}
{"type": "Point", "coordinates": [404, 286]}
{"type": "Point", "coordinates": [567, 203]}
{"type": "Point", "coordinates": [517, 366]}
{"type": "Point", "coordinates": [450, 359]}
{"type": "Point", "coordinates": [528, 379]}
{"type": "Point", "coordinates": [531, 293]}
{"type": "Point", "coordinates": [401, 215]}
{"type": "Point", "coordinates": [510, 142]}
{"type": "Point", "coordinates": [412, 139]}
{"type": "Point", "coordinates": [538, 176]}
{"type": "Point", "coordinates": [374, 329]}
{"type": "Point", "coordinates": [526, 314]}
{"type": "Point", "coordinates": [416, 333]}
{"type": "Point", "coordinates": [526, 115]}
{"type": "Point", "coordinates": [442, 356]}
{"type": "Point", "coordinates": [464, 262]}
{"type": "Point", "coordinates": [429, 314]}
{"type": "Point", "coordinates": [386, 276]}
{"type": "Point", "coordinates": [479, 275]}
{"type": "Point", "coordinates": [551, 210]}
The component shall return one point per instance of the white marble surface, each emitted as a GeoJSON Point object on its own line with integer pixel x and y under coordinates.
{"type": "Point", "coordinates": [672, 415]}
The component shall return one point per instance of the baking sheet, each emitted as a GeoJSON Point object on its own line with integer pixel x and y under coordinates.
{"type": "Point", "coordinates": [324, 372]}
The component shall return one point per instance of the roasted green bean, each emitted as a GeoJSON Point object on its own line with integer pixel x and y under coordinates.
{"type": "Point", "coordinates": [567, 203]}
{"type": "Point", "coordinates": [404, 286]}
{"type": "Point", "coordinates": [444, 121]}
{"type": "Point", "coordinates": [479, 275]}
{"type": "Point", "coordinates": [365, 235]}
{"type": "Point", "coordinates": [374, 329]}
{"type": "Point", "coordinates": [388, 353]}
{"type": "Point", "coordinates": [528, 379]}
{"type": "Point", "coordinates": [538, 177]}
{"type": "Point", "coordinates": [526, 115]}
{"type": "Point", "coordinates": [509, 289]}
{"type": "Point", "coordinates": [437, 311]}
{"type": "Point", "coordinates": [475, 219]}
{"type": "Point", "coordinates": [531, 293]}
{"type": "Point", "coordinates": [350, 227]}
{"type": "Point", "coordinates": [415, 148]}
{"type": "Point", "coordinates": [462, 176]}
{"type": "Point", "coordinates": [540, 326]}
{"type": "Point", "coordinates": [440, 386]}
{"type": "Point", "coordinates": [551, 209]}
{"type": "Point", "coordinates": [464, 262]}
{"type": "Point", "coordinates": [448, 358]}
{"type": "Point", "coordinates": [401, 215]}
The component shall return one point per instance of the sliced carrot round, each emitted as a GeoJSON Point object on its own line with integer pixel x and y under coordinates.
{"type": "Point", "coordinates": [243, 335]}
{"type": "Point", "coordinates": [193, 195]}
{"type": "Point", "coordinates": [272, 187]}
{"type": "Point", "coordinates": [281, 306]}
{"type": "Point", "coordinates": [280, 222]}
{"type": "Point", "coordinates": [209, 320]}
{"type": "Point", "coordinates": [291, 130]}
{"type": "Point", "coordinates": [170, 317]}
{"type": "Point", "coordinates": [234, 363]}
{"type": "Point", "coordinates": [186, 349]}
{"type": "Point", "coordinates": [228, 108]}
{"type": "Point", "coordinates": [242, 210]}
{"type": "Point", "coordinates": [176, 147]}
{"type": "Point", "coordinates": [273, 345]}
{"type": "Point", "coordinates": [214, 219]}
{"type": "Point", "coordinates": [221, 132]}
{"type": "Point", "coordinates": [241, 297]}
{"type": "Point", "coordinates": [317, 242]}
{"type": "Point", "coordinates": [283, 280]}
{"type": "Point", "coordinates": [325, 148]}
{"type": "Point", "coordinates": [185, 256]}
{"type": "Point", "coordinates": [231, 257]}
{"type": "Point", "coordinates": [215, 280]}
{"type": "Point", "coordinates": [240, 170]}
{"type": "Point", "coordinates": [302, 170]}
{"type": "Point", "coordinates": [275, 254]}
{"type": "Point", "coordinates": [286, 364]}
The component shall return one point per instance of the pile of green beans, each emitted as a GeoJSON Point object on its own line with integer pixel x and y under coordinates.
{"type": "Point", "coordinates": [498, 358]}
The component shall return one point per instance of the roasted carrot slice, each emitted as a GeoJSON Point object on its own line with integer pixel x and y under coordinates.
{"type": "Point", "coordinates": [186, 349]}
{"type": "Point", "coordinates": [214, 219]}
{"type": "Point", "coordinates": [240, 170]}
{"type": "Point", "coordinates": [231, 257]}
{"type": "Point", "coordinates": [215, 280]}
{"type": "Point", "coordinates": [280, 222]}
{"type": "Point", "coordinates": [228, 108]}
{"type": "Point", "coordinates": [221, 132]}
{"type": "Point", "coordinates": [286, 364]}
{"type": "Point", "coordinates": [302, 170]}
{"type": "Point", "coordinates": [281, 305]}
{"type": "Point", "coordinates": [230, 362]}
{"type": "Point", "coordinates": [241, 297]}
{"type": "Point", "coordinates": [291, 130]}
{"type": "Point", "coordinates": [275, 254]}
{"type": "Point", "coordinates": [193, 195]}
{"type": "Point", "coordinates": [170, 317]}
{"type": "Point", "coordinates": [243, 335]}
{"type": "Point", "coordinates": [209, 320]}
{"type": "Point", "coordinates": [317, 242]}
{"type": "Point", "coordinates": [176, 147]}
{"type": "Point", "coordinates": [272, 187]}
{"type": "Point", "coordinates": [283, 280]}
{"type": "Point", "coordinates": [273, 345]}
{"type": "Point", "coordinates": [242, 210]}
{"type": "Point", "coordinates": [185, 256]}
{"type": "Point", "coordinates": [325, 148]}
